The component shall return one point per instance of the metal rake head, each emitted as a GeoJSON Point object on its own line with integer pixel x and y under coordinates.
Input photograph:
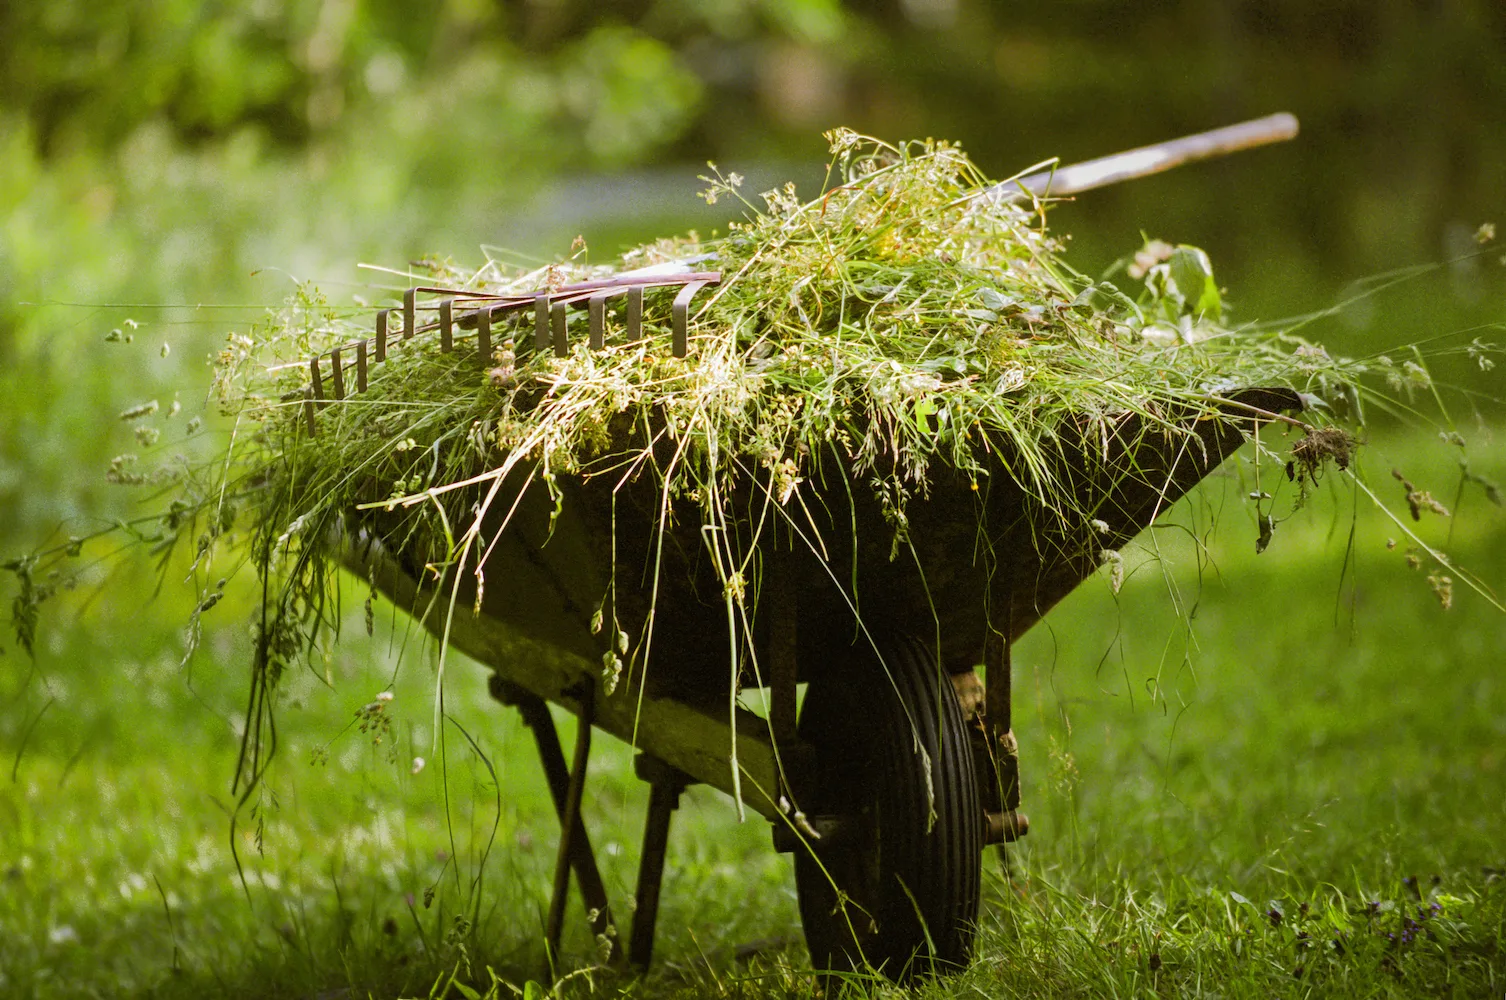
{"type": "Point", "coordinates": [550, 324]}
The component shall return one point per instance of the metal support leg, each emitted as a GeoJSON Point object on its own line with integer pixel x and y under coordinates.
{"type": "Point", "coordinates": [996, 714]}
{"type": "Point", "coordinates": [665, 783]}
{"type": "Point", "coordinates": [557, 774]}
{"type": "Point", "coordinates": [1001, 802]}
{"type": "Point", "coordinates": [796, 759]}
{"type": "Point", "coordinates": [783, 639]}
{"type": "Point", "coordinates": [569, 822]}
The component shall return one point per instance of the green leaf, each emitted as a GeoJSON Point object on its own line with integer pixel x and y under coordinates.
{"type": "Point", "coordinates": [532, 991]}
{"type": "Point", "coordinates": [994, 300]}
{"type": "Point", "coordinates": [924, 408]}
{"type": "Point", "coordinates": [1192, 272]}
{"type": "Point", "coordinates": [1267, 528]}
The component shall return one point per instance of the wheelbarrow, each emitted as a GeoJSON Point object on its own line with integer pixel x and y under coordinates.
{"type": "Point", "coordinates": [899, 766]}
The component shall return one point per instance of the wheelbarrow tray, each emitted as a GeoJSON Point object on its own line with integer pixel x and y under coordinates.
{"type": "Point", "coordinates": [980, 557]}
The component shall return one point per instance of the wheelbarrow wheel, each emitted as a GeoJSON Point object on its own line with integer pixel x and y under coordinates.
{"type": "Point", "coordinates": [895, 886]}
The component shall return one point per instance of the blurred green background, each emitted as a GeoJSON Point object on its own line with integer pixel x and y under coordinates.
{"type": "Point", "coordinates": [169, 169]}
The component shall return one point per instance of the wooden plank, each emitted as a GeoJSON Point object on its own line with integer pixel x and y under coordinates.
{"type": "Point", "coordinates": [682, 735]}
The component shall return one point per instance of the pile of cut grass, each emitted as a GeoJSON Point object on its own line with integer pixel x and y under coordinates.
{"type": "Point", "coordinates": [908, 314]}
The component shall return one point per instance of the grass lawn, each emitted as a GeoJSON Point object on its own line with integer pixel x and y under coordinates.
{"type": "Point", "coordinates": [1303, 796]}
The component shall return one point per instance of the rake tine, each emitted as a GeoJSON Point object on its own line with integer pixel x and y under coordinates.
{"type": "Point", "coordinates": [546, 332]}
{"type": "Point", "coordinates": [635, 313]}
{"type": "Point", "coordinates": [541, 321]}
{"type": "Point", "coordinates": [597, 307]}
{"type": "Point", "coordinates": [381, 336]}
{"type": "Point", "coordinates": [484, 335]}
{"type": "Point", "coordinates": [680, 317]}
{"type": "Point", "coordinates": [308, 412]}
{"type": "Point", "coordinates": [316, 382]}
{"type": "Point", "coordinates": [557, 318]}
{"type": "Point", "coordinates": [550, 322]}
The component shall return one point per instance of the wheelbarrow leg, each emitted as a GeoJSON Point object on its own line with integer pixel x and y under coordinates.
{"type": "Point", "coordinates": [665, 785]}
{"type": "Point", "coordinates": [577, 845]}
{"type": "Point", "coordinates": [1003, 820]}
{"type": "Point", "coordinates": [783, 640]}
{"type": "Point", "coordinates": [570, 825]}
{"type": "Point", "coordinates": [997, 713]}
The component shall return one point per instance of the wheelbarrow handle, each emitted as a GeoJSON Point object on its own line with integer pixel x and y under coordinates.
{"type": "Point", "coordinates": [1058, 182]}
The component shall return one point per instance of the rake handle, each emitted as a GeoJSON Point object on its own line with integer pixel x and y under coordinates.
{"type": "Point", "coordinates": [1148, 160]}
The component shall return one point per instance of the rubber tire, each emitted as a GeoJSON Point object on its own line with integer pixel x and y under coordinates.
{"type": "Point", "coordinates": [911, 884]}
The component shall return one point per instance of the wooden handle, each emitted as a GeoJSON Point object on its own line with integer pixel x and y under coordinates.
{"type": "Point", "coordinates": [1147, 160]}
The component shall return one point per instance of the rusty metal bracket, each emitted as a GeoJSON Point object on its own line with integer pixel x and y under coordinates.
{"type": "Point", "coordinates": [1004, 827]}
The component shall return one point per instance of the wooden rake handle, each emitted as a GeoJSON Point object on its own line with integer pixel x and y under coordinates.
{"type": "Point", "coordinates": [1063, 181]}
